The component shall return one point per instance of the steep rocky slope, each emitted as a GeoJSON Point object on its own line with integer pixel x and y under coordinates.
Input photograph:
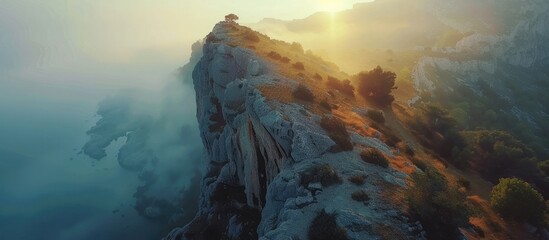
{"type": "Point", "coordinates": [271, 168]}
{"type": "Point", "coordinates": [476, 58]}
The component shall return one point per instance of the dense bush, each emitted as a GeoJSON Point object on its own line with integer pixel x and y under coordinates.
{"type": "Point", "coordinates": [324, 227]}
{"type": "Point", "coordinates": [360, 196]}
{"type": "Point", "coordinates": [344, 86]}
{"type": "Point", "coordinates": [338, 133]}
{"type": "Point", "coordinates": [298, 66]}
{"type": "Point", "coordinates": [324, 174]}
{"type": "Point", "coordinates": [303, 93]}
{"type": "Point", "coordinates": [285, 60]}
{"type": "Point", "coordinates": [497, 154]}
{"type": "Point", "coordinates": [357, 179]}
{"type": "Point", "coordinates": [376, 115]}
{"type": "Point", "coordinates": [438, 131]}
{"type": "Point", "coordinates": [374, 156]}
{"type": "Point", "coordinates": [252, 36]}
{"type": "Point", "coordinates": [376, 85]}
{"type": "Point", "coordinates": [441, 209]}
{"type": "Point", "coordinates": [516, 199]}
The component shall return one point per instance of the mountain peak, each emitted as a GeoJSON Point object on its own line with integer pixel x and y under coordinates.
{"type": "Point", "coordinates": [283, 149]}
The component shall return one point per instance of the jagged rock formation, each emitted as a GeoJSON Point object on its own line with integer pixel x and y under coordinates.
{"type": "Point", "coordinates": [258, 149]}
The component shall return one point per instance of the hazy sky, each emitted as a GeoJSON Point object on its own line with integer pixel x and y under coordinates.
{"type": "Point", "coordinates": [63, 35]}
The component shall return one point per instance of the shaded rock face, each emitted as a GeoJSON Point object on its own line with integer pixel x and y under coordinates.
{"type": "Point", "coordinates": [257, 150]}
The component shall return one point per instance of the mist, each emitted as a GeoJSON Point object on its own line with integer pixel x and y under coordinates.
{"type": "Point", "coordinates": [52, 93]}
{"type": "Point", "coordinates": [98, 134]}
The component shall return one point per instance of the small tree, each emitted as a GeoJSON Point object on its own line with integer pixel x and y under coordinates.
{"type": "Point", "coordinates": [376, 85]}
{"type": "Point", "coordinates": [516, 199]}
{"type": "Point", "coordinates": [231, 18]}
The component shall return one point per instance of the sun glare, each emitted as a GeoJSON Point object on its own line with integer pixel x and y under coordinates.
{"type": "Point", "coordinates": [331, 6]}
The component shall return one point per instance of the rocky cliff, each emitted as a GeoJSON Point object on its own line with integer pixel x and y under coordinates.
{"type": "Point", "coordinates": [271, 168]}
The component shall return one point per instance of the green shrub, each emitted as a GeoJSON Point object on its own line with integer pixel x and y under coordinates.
{"type": "Point", "coordinates": [516, 199]}
{"type": "Point", "coordinates": [303, 93]}
{"type": "Point", "coordinates": [324, 227]}
{"type": "Point", "coordinates": [298, 66]}
{"type": "Point", "coordinates": [441, 209]}
{"type": "Point", "coordinates": [360, 196]}
{"type": "Point", "coordinates": [374, 156]}
{"type": "Point", "coordinates": [324, 174]}
{"type": "Point", "coordinates": [338, 133]}
{"type": "Point", "coordinates": [357, 179]}
{"type": "Point", "coordinates": [498, 154]}
{"type": "Point", "coordinates": [376, 115]}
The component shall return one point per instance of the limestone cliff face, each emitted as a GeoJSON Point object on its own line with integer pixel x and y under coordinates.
{"type": "Point", "coordinates": [257, 149]}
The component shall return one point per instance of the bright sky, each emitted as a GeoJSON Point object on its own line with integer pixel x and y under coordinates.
{"type": "Point", "coordinates": [115, 31]}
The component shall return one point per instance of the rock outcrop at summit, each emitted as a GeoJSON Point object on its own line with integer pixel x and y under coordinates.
{"type": "Point", "coordinates": [259, 150]}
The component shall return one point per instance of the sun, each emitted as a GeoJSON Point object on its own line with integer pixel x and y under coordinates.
{"type": "Point", "coordinates": [331, 6]}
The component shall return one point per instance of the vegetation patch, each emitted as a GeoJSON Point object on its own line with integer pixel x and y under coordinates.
{"type": "Point", "coordinates": [325, 104]}
{"type": "Point", "coordinates": [298, 66]}
{"type": "Point", "coordinates": [317, 77]}
{"type": "Point", "coordinates": [324, 174]}
{"type": "Point", "coordinates": [419, 164]}
{"type": "Point", "coordinates": [376, 116]}
{"type": "Point", "coordinates": [497, 154]}
{"type": "Point", "coordinates": [374, 156]}
{"type": "Point", "coordinates": [252, 36]}
{"type": "Point", "coordinates": [464, 183]}
{"type": "Point", "coordinates": [324, 227]}
{"type": "Point", "coordinates": [438, 131]}
{"type": "Point", "coordinates": [338, 133]}
{"type": "Point", "coordinates": [211, 38]}
{"type": "Point", "coordinates": [357, 179]}
{"type": "Point", "coordinates": [441, 209]}
{"type": "Point", "coordinates": [516, 199]}
{"type": "Point", "coordinates": [344, 86]}
{"type": "Point", "coordinates": [360, 196]}
{"type": "Point", "coordinates": [303, 93]}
